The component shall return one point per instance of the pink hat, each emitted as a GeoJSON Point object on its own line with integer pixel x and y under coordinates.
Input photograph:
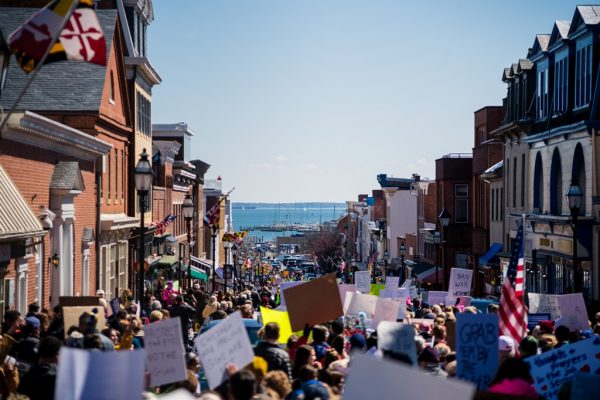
{"type": "Point", "coordinates": [408, 301]}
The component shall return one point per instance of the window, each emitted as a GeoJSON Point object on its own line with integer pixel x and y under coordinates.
{"type": "Point", "coordinates": [112, 281]}
{"type": "Point", "coordinates": [22, 287]}
{"type": "Point", "coordinates": [117, 174]}
{"type": "Point", "coordinates": [501, 203]}
{"type": "Point", "coordinates": [541, 99]}
{"type": "Point", "coordinates": [583, 74]}
{"type": "Point", "coordinates": [461, 203]}
{"type": "Point", "coordinates": [85, 274]}
{"type": "Point", "coordinates": [514, 184]}
{"type": "Point", "coordinates": [538, 185]}
{"type": "Point", "coordinates": [561, 81]}
{"type": "Point", "coordinates": [122, 278]}
{"type": "Point", "coordinates": [108, 176]}
{"type": "Point", "coordinates": [123, 169]}
{"type": "Point", "coordinates": [39, 271]}
{"type": "Point", "coordinates": [111, 89]}
{"type": "Point", "coordinates": [556, 189]}
{"type": "Point", "coordinates": [522, 180]}
{"type": "Point", "coordinates": [144, 124]}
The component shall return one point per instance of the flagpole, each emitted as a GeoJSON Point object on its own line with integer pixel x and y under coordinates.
{"type": "Point", "coordinates": [39, 65]}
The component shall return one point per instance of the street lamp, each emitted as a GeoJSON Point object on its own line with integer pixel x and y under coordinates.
{"type": "Point", "coordinates": [444, 218]}
{"type": "Point", "coordinates": [215, 231]}
{"type": "Point", "coordinates": [236, 280]}
{"type": "Point", "coordinates": [143, 181]}
{"type": "Point", "coordinates": [188, 213]}
{"type": "Point", "coordinates": [402, 252]}
{"type": "Point", "coordinates": [575, 198]}
{"type": "Point", "coordinates": [437, 241]}
{"type": "Point", "coordinates": [226, 246]}
{"type": "Point", "coordinates": [55, 260]}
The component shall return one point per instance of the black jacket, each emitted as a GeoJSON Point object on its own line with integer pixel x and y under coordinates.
{"type": "Point", "coordinates": [39, 382]}
{"type": "Point", "coordinates": [276, 357]}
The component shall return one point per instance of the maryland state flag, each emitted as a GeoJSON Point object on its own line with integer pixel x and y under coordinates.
{"type": "Point", "coordinates": [228, 237]}
{"type": "Point", "coordinates": [214, 214]}
{"type": "Point", "coordinates": [81, 39]}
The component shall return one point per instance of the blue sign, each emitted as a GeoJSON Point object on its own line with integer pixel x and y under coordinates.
{"type": "Point", "coordinates": [115, 305]}
{"type": "Point", "coordinates": [477, 348]}
{"type": "Point", "coordinates": [534, 319]}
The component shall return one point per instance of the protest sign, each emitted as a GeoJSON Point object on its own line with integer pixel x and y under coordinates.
{"type": "Point", "coordinates": [362, 302]}
{"type": "Point", "coordinates": [401, 308]}
{"type": "Point", "coordinates": [550, 369]}
{"type": "Point", "coordinates": [371, 378]}
{"type": "Point", "coordinates": [345, 288]}
{"type": "Point", "coordinates": [392, 282]}
{"type": "Point", "coordinates": [78, 377]}
{"type": "Point", "coordinates": [282, 318]}
{"type": "Point", "coordinates": [397, 337]}
{"type": "Point", "coordinates": [347, 301]}
{"type": "Point", "coordinates": [534, 319]}
{"type": "Point", "coordinates": [464, 301]}
{"type": "Point", "coordinates": [460, 283]}
{"type": "Point", "coordinates": [75, 301]}
{"type": "Point", "coordinates": [544, 303]}
{"type": "Point", "coordinates": [394, 293]}
{"type": "Point", "coordinates": [362, 280]}
{"type": "Point", "coordinates": [437, 297]}
{"type": "Point", "coordinates": [376, 288]}
{"type": "Point", "coordinates": [573, 312]}
{"type": "Point", "coordinates": [286, 285]}
{"type": "Point", "coordinates": [412, 292]}
{"type": "Point", "coordinates": [164, 352]}
{"type": "Point", "coordinates": [477, 348]}
{"type": "Point", "coordinates": [385, 310]}
{"type": "Point", "coordinates": [71, 316]}
{"type": "Point", "coordinates": [225, 343]}
{"type": "Point", "coordinates": [115, 305]}
{"type": "Point", "coordinates": [585, 386]}
{"type": "Point", "coordinates": [313, 302]}
{"type": "Point", "coordinates": [179, 394]}
{"type": "Point", "coordinates": [406, 283]}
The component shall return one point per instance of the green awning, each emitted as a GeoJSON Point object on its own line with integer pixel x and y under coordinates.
{"type": "Point", "coordinates": [167, 261]}
{"type": "Point", "coordinates": [197, 274]}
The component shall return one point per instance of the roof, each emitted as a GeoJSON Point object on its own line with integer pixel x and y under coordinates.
{"type": "Point", "coordinates": [494, 168]}
{"type": "Point", "coordinates": [59, 86]}
{"type": "Point", "coordinates": [563, 28]}
{"type": "Point", "coordinates": [17, 221]}
{"type": "Point", "coordinates": [589, 14]}
{"type": "Point", "coordinates": [524, 65]}
{"type": "Point", "coordinates": [67, 176]}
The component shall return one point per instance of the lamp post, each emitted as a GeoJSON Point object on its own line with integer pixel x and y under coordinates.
{"type": "Point", "coordinates": [188, 214]}
{"type": "Point", "coordinates": [444, 218]}
{"type": "Point", "coordinates": [437, 241]}
{"type": "Point", "coordinates": [402, 252]}
{"type": "Point", "coordinates": [236, 281]}
{"type": "Point", "coordinates": [226, 246]}
{"type": "Point", "coordinates": [143, 181]}
{"type": "Point", "coordinates": [575, 198]}
{"type": "Point", "coordinates": [215, 231]}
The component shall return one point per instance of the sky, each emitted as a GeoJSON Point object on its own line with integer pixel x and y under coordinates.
{"type": "Point", "coordinates": [310, 100]}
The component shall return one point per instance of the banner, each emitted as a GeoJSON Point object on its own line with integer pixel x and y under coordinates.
{"type": "Point", "coordinates": [165, 359]}
{"type": "Point", "coordinates": [362, 280]}
{"type": "Point", "coordinates": [549, 370]}
{"type": "Point", "coordinates": [477, 348]}
{"type": "Point", "coordinates": [225, 343]}
{"type": "Point", "coordinates": [460, 283]}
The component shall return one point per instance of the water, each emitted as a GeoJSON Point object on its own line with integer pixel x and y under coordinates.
{"type": "Point", "coordinates": [274, 214]}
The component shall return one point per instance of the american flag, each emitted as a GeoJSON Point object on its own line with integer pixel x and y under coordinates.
{"type": "Point", "coordinates": [513, 312]}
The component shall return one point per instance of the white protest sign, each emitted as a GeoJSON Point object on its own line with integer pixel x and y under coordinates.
{"type": "Point", "coordinates": [344, 289]}
{"type": "Point", "coordinates": [370, 378]}
{"type": "Point", "coordinates": [573, 312]}
{"type": "Point", "coordinates": [550, 369]}
{"type": "Point", "coordinates": [286, 285]}
{"type": "Point", "coordinates": [225, 343]}
{"type": "Point", "coordinates": [477, 348]}
{"type": "Point", "coordinates": [165, 359]}
{"type": "Point", "coordinates": [362, 302]}
{"type": "Point", "coordinates": [437, 297]}
{"type": "Point", "coordinates": [401, 308]}
{"type": "Point", "coordinates": [460, 283]}
{"type": "Point", "coordinates": [544, 303]}
{"type": "Point", "coordinates": [83, 374]}
{"type": "Point", "coordinates": [392, 282]}
{"type": "Point", "coordinates": [362, 280]}
{"type": "Point", "coordinates": [394, 293]}
{"type": "Point", "coordinates": [406, 283]}
{"type": "Point", "coordinates": [397, 337]}
{"type": "Point", "coordinates": [412, 291]}
{"type": "Point", "coordinates": [347, 301]}
{"type": "Point", "coordinates": [385, 310]}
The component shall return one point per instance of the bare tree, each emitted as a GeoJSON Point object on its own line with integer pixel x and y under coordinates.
{"type": "Point", "coordinates": [326, 247]}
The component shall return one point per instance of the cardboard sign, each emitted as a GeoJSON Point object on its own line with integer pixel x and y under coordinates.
{"type": "Point", "coordinates": [477, 348]}
{"type": "Point", "coordinates": [406, 284]}
{"type": "Point", "coordinates": [437, 297]}
{"type": "Point", "coordinates": [585, 386]}
{"type": "Point", "coordinates": [343, 289]}
{"type": "Point", "coordinates": [385, 310]}
{"type": "Point", "coordinates": [74, 301]}
{"type": "Point", "coordinates": [534, 319]}
{"type": "Point", "coordinates": [549, 370]}
{"type": "Point", "coordinates": [314, 302]}
{"type": "Point", "coordinates": [362, 303]}
{"type": "Point", "coordinates": [78, 377]}
{"type": "Point", "coordinates": [376, 288]}
{"type": "Point", "coordinates": [165, 359]}
{"type": "Point", "coordinates": [392, 282]}
{"type": "Point", "coordinates": [286, 285]}
{"type": "Point", "coordinates": [225, 343]}
{"type": "Point", "coordinates": [370, 378]}
{"type": "Point", "coordinates": [397, 337]}
{"type": "Point", "coordinates": [544, 303]}
{"type": "Point", "coordinates": [394, 293]}
{"type": "Point", "coordinates": [573, 312]}
{"type": "Point", "coordinates": [362, 280]}
{"type": "Point", "coordinates": [402, 313]}
{"type": "Point", "coordinates": [71, 316]}
{"type": "Point", "coordinates": [282, 318]}
{"type": "Point", "coordinates": [460, 283]}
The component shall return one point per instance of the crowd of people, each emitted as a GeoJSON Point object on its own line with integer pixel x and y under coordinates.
{"type": "Point", "coordinates": [311, 365]}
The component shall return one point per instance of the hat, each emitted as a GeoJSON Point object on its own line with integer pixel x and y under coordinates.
{"type": "Point", "coordinates": [423, 327]}
{"type": "Point", "coordinates": [429, 355]}
{"type": "Point", "coordinates": [547, 326]}
{"type": "Point", "coordinates": [89, 318]}
{"type": "Point", "coordinates": [529, 345]}
{"type": "Point", "coordinates": [99, 292]}
{"type": "Point", "coordinates": [33, 322]}
{"type": "Point", "coordinates": [506, 343]}
{"type": "Point", "coordinates": [358, 341]}
{"type": "Point", "coordinates": [315, 390]}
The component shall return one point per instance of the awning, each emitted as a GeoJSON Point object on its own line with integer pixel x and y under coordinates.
{"type": "Point", "coordinates": [199, 274]}
{"type": "Point", "coordinates": [494, 249]}
{"type": "Point", "coordinates": [167, 261]}
{"type": "Point", "coordinates": [200, 263]}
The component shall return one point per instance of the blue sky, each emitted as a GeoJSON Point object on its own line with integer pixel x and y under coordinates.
{"type": "Point", "coordinates": [310, 100]}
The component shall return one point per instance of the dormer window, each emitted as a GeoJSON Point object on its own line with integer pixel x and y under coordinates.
{"type": "Point", "coordinates": [541, 99]}
{"type": "Point", "coordinates": [561, 82]}
{"type": "Point", "coordinates": [583, 73]}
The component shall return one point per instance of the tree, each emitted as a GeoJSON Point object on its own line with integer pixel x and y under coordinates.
{"type": "Point", "coordinates": [326, 247]}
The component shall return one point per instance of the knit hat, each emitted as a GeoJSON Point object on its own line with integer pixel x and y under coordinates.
{"type": "Point", "coordinates": [33, 322]}
{"type": "Point", "coordinates": [314, 390]}
{"type": "Point", "coordinates": [429, 355]}
{"type": "Point", "coordinates": [506, 343]}
{"type": "Point", "coordinates": [546, 326]}
{"type": "Point", "coordinates": [89, 318]}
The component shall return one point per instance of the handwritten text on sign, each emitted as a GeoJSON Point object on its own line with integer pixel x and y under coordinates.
{"type": "Point", "coordinates": [460, 283]}
{"type": "Point", "coordinates": [549, 370]}
{"type": "Point", "coordinates": [164, 352]}
{"type": "Point", "coordinates": [477, 348]}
